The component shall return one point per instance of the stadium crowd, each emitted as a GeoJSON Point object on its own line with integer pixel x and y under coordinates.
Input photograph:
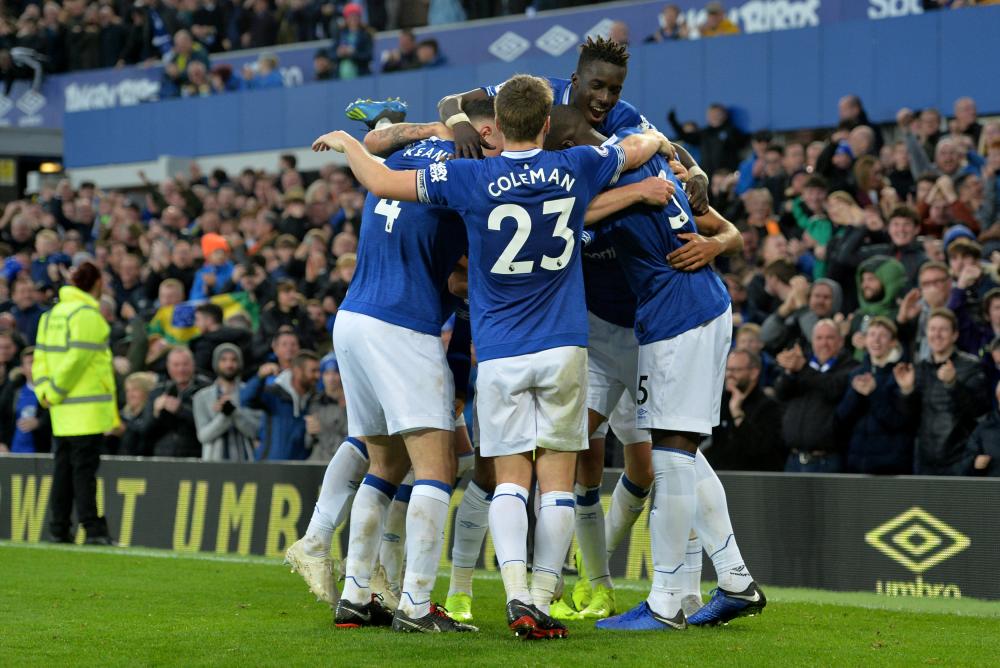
{"type": "Point", "coordinates": [866, 301]}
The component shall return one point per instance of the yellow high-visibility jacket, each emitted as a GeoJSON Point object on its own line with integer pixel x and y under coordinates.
{"type": "Point", "coordinates": [72, 367]}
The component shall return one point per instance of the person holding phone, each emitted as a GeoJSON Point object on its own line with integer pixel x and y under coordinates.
{"type": "Point", "coordinates": [226, 430]}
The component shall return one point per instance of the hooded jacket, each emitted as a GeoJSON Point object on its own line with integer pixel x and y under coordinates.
{"type": "Point", "coordinates": [283, 428]}
{"type": "Point", "coordinates": [892, 275]}
{"type": "Point", "coordinates": [881, 425]}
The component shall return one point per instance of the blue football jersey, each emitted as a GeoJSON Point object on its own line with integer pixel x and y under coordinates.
{"type": "Point", "coordinates": [406, 252]}
{"type": "Point", "coordinates": [622, 115]}
{"type": "Point", "coordinates": [670, 302]}
{"type": "Point", "coordinates": [609, 295]}
{"type": "Point", "coordinates": [523, 212]}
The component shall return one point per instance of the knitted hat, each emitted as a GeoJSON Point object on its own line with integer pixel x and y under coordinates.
{"type": "Point", "coordinates": [222, 348]}
{"type": "Point", "coordinates": [212, 242]}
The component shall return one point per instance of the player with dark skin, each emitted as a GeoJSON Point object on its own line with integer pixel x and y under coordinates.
{"type": "Point", "coordinates": [568, 129]}
{"type": "Point", "coordinates": [596, 87]}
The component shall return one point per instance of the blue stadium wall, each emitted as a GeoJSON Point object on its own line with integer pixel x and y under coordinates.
{"type": "Point", "coordinates": [780, 80]}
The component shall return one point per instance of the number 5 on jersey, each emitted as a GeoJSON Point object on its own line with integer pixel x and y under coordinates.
{"type": "Point", "coordinates": [390, 209]}
{"type": "Point", "coordinates": [506, 264]}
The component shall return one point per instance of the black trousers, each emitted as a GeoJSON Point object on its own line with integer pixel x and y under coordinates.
{"type": "Point", "coordinates": [74, 481]}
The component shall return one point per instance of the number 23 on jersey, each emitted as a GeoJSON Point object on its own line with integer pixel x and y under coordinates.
{"type": "Point", "coordinates": [506, 264]}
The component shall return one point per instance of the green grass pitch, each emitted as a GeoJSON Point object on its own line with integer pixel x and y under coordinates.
{"type": "Point", "coordinates": [94, 606]}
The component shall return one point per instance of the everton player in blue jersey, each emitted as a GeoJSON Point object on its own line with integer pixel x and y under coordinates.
{"type": "Point", "coordinates": [524, 215]}
{"type": "Point", "coordinates": [594, 88]}
{"type": "Point", "coordinates": [387, 334]}
{"type": "Point", "coordinates": [683, 324]}
{"type": "Point", "coordinates": [470, 531]}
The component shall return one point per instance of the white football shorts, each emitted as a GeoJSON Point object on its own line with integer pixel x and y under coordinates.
{"type": "Point", "coordinates": [681, 379]}
{"type": "Point", "coordinates": [612, 363]}
{"type": "Point", "coordinates": [532, 401]}
{"type": "Point", "coordinates": [395, 379]}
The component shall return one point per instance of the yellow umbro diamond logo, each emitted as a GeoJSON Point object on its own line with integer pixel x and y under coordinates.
{"type": "Point", "coordinates": [917, 540]}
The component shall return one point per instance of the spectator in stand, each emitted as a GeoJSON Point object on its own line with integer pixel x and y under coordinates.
{"type": "Point", "coordinates": [226, 429]}
{"type": "Point", "coordinates": [177, 265]}
{"type": "Point", "coordinates": [217, 270]}
{"type": "Point", "coordinates": [810, 389]}
{"type": "Point", "coordinates": [672, 26]}
{"type": "Point", "coordinates": [934, 288]}
{"type": "Point", "coordinates": [975, 335]}
{"type": "Point", "coordinates": [285, 404]}
{"type": "Point", "coordinates": [265, 74]}
{"type": "Point", "coordinates": [8, 355]}
{"type": "Point", "coordinates": [208, 25]}
{"type": "Point", "coordinates": [138, 387]}
{"type": "Point", "coordinates": [286, 311]}
{"type": "Point", "coordinates": [185, 52]}
{"type": "Point", "coordinates": [326, 424]}
{"type": "Point", "coordinates": [260, 27]}
{"type": "Point", "coordinates": [198, 83]}
{"type": "Point", "coordinates": [751, 170]}
{"type": "Point", "coordinates": [167, 425]}
{"type": "Point", "coordinates": [129, 292]}
{"type": "Point", "coordinates": [720, 142]}
{"type": "Point", "coordinates": [48, 263]}
{"type": "Point", "coordinates": [323, 66]}
{"type": "Point", "coordinates": [352, 45]}
{"type": "Point", "coordinates": [208, 318]}
{"type": "Point", "coordinates": [880, 422]}
{"type": "Point", "coordinates": [982, 452]}
{"type": "Point", "coordinates": [803, 307]}
{"type": "Point", "coordinates": [26, 310]}
{"type": "Point", "coordinates": [966, 122]}
{"type": "Point", "coordinates": [25, 426]}
{"type": "Point", "coordinates": [902, 245]}
{"type": "Point", "coordinates": [404, 56]}
{"type": "Point", "coordinates": [112, 36]}
{"type": "Point", "coordinates": [852, 115]}
{"type": "Point", "coordinates": [429, 54]}
{"type": "Point", "coordinates": [618, 33]}
{"type": "Point", "coordinates": [83, 37]}
{"type": "Point", "coordinates": [748, 436]}
{"type": "Point", "coordinates": [972, 278]}
{"type": "Point", "coordinates": [950, 392]}
{"type": "Point", "coordinates": [716, 22]}
{"type": "Point", "coordinates": [880, 280]}
{"type": "Point", "coordinates": [440, 12]}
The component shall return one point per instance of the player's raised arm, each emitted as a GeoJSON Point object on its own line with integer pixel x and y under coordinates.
{"type": "Point", "coordinates": [722, 239]}
{"type": "Point", "coordinates": [387, 140]}
{"type": "Point", "coordinates": [653, 191]}
{"type": "Point", "coordinates": [468, 142]}
{"type": "Point", "coordinates": [377, 179]}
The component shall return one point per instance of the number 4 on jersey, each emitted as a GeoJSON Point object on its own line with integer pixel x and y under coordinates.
{"type": "Point", "coordinates": [390, 209]}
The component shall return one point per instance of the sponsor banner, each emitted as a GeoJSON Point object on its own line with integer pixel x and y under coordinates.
{"type": "Point", "coordinates": [924, 537]}
{"type": "Point", "coordinates": [548, 34]}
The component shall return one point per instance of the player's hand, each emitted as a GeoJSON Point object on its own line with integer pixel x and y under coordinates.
{"type": "Point", "coordinates": [655, 191]}
{"type": "Point", "coordinates": [331, 141]}
{"type": "Point", "coordinates": [864, 384]}
{"type": "Point", "coordinates": [696, 253]}
{"type": "Point", "coordinates": [468, 142]}
{"type": "Point", "coordinates": [680, 171]}
{"type": "Point", "coordinates": [696, 188]}
{"type": "Point", "coordinates": [905, 377]}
